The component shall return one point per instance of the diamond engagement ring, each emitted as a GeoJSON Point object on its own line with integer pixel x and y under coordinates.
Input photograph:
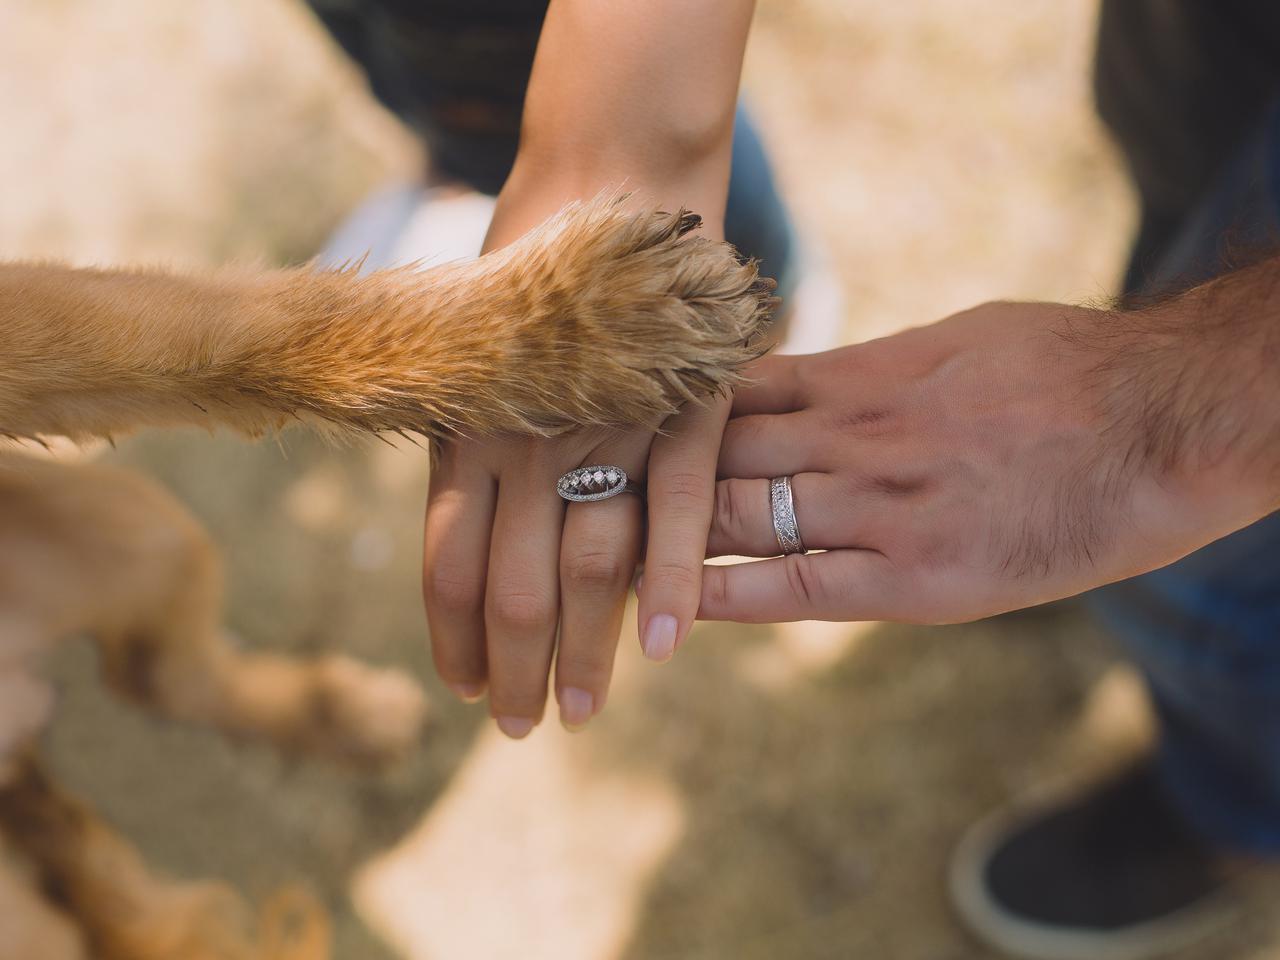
{"type": "Point", "coordinates": [599, 482]}
{"type": "Point", "coordinates": [782, 507]}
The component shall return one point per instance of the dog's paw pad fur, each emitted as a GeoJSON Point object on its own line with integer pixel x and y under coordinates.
{"type": "Point", "coordinates": [623, 315]}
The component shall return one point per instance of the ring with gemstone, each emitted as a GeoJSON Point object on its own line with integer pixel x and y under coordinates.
{"type": "Point", "coordinates": [782, 509]}
{"type": "Point", "coordinates": [598, 482]}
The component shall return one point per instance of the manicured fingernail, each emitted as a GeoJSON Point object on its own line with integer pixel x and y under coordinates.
{"type": "Point", "coordinates": [575, 708]}
{"type": "Point", "coordinates": [660, 637]}
{"type": "Point", "coordinates": [639, 584]}
{"type": "Point", "coordinates": [517, 728]}
{"type": "Point", "coordinates": [468, 692]}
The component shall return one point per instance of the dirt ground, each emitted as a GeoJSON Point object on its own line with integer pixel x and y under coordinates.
{"type": "Point", "coordinates": [774, 792]}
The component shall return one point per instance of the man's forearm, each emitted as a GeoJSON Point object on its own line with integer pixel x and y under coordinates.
{"type": "Point", "coordinates": [1195, 383]}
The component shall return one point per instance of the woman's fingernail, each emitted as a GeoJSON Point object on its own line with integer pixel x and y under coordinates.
{"type": "Point", "coordinates": [639, 584]}
{"type": "Point", "coordinates": [576, 707]}
{"type": "Point", "coordinates": [468, 692]}
{"type": "Point", "coordinates": [517, 728]}
{"type": "Point", "coordinates": [660, 637]}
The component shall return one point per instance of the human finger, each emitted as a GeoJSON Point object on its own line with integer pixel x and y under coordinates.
{"type": "Point", "coordinates": [772, 445]}
{"type": "Point", "coordinates": [681, 499]}
{"type": "Point", "coordinates": [598, 553]}
{"type": "Point", "coordinates": [455, 557]}
{"type": "Point", "coordinates": [772, 385]}
{"type": "Point", "coordinates": [828, 516]}
{"type": "Point", "coordinates": [843, 585]}
{"type": "Point", "coordinates": [522, 595]}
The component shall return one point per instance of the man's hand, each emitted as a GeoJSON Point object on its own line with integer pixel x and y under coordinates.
{"type": "Point", "coordinates": [1007, 456]}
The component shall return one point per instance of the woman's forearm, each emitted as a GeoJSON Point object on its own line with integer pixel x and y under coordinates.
{"type": "Point", "coordinates": [652, 84]}
{"type": "Point", "coordinates": [634, 95]}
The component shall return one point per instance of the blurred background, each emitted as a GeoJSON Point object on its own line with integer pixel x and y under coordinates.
{"type": "Point", "coordinates": [773, 792]}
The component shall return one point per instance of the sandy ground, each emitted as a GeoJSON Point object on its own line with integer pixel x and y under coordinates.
{"type": "Point", "coordinates": [788, 792]}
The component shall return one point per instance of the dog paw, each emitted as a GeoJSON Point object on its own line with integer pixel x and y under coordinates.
{"type": "Point", "coordinates": [365, 714]}
{"type": "Point", "coordinates": [618, 316]}
{"type": "Point", "coordinates": [604, 316]}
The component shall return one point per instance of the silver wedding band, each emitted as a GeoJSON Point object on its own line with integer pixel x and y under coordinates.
{"type": "Point", "coordinates": [597, 482]}
{"type": "Point", "coordinates": [782, 506]}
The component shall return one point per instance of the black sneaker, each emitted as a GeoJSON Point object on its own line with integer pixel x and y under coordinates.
{"type": "Point", "coordinates": [1115, 874]}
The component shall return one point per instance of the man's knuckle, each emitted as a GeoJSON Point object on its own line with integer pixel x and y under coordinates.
{"type": "Point", "coordinates": [715, 588]}
{"type": "Point", "coordinates": [804, 580]}
{"type": "Point", "coordinates": [723, 509]}
{"type": "Point", "coordinates": [730, 508]}
{"type": "Point", "coordinates": [865, 420]}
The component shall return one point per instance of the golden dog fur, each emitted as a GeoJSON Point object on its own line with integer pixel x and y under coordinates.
{"type": "Point", "coordinates": [603, 317]}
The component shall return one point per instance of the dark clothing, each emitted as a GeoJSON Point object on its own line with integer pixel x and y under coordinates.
{"type": "Point", "coordinates": [456, 71]}
{"type": "Point", "coordinates": [1191, 90]}
{"type": "Point", "coordinates": [1182, 84]}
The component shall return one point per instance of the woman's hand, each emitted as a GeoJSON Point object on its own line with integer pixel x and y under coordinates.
{"type": "Point", "coordinates": [642, 97]}
{"type": "Point", "coordinates": [506, 562]}
{"type": "Point", "coordinates": [1009, 455]}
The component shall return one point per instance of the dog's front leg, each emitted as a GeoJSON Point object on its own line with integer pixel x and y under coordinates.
{"type": "Point", "coordinates": [100, 551]}
{"type": "Point", "coordinates": [32, 926]}
{"type": "Point", "coordinates": [127, 912]}
{"type": "Point", "coordinates": [602, 317]}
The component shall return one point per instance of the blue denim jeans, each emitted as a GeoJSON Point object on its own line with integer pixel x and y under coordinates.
{"type": "Point", "coordinates": [1206, 630]}
{"type": "Point", "coordinates": [756, 220]}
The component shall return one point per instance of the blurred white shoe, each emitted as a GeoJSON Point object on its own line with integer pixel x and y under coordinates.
{"type": "Point", "coordinates": [817, 320]}
{"type": "Point", "coordinates": [404, 224]}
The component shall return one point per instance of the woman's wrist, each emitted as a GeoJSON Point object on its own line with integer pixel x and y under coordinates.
{"type": "Point", "coordinates": [535, 192]}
